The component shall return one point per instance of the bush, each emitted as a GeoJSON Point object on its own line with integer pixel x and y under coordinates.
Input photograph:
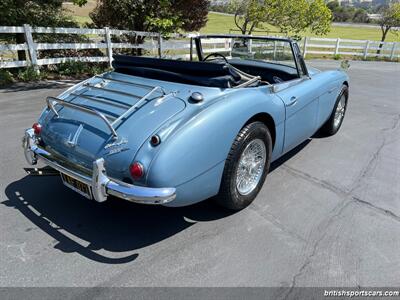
{"type": "Point", "coordinates": [337, 57]}
{"type": "Point", "coordinates": [5, 77]}
{"type": "Point", "coordinates": [71, 68]}
{"type": "Point", "coordinates": [77, 68]}
{"type": "Point", "coordinates": [29, 74]}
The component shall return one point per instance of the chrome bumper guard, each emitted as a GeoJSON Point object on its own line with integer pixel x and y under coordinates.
{"type": "Point", "coordinates": [102, 186]}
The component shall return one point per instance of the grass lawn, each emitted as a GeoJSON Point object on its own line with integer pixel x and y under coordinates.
{"type": "Point", "coordinates": [80, 11]}
{"type": "Point", "coordinates": [80, 14]}
{"type": "Point", "coordinates": [218, 23]}
{"type": "Point", "coordinates": [222, 24]}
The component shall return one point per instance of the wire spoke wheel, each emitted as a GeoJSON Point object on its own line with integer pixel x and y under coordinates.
{"type": "Point", "coordinates": [246, 166]}
{"type": "Point", "coordinates": [340, 110]}
{"type": "Point", "coordinates": [250, 167]}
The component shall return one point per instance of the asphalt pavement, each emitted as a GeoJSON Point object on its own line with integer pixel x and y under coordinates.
{"type": "Point", "coordinates": [328, 214]}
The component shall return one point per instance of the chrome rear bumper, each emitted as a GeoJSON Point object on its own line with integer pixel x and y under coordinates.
{"type": "Point", "coordinates": [102, 186]}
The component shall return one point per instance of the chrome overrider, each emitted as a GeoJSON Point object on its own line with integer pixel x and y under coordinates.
{"type": "Point", "coordinates": [101, 185]}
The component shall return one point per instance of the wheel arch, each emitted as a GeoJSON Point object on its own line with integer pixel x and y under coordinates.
{"type": "Point", "coordinates": [346, 93]}
{"type": "Point", "coordinates": [268, 121]}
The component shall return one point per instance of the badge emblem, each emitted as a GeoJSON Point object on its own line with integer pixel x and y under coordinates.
{"type": "Point", "coordinates": [73, 140]}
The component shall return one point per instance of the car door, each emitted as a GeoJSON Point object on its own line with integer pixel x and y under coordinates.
{"type": "Point", "coordinates": [300, 98]}
{"type": "Point", "coordinates": [301, 111]}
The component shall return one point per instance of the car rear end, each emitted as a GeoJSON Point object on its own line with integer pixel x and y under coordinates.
{"type": "Point", "coordinates": [91, 133]}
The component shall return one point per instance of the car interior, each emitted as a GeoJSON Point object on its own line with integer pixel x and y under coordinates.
{"type": "Point", "coordinates": [213, 70]}
{"type": "Point", "coordinates": [213, 74]}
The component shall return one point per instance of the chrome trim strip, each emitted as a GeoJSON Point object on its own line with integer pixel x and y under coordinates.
{"type": "Point", "coordinates": [247, 83]}
{"type": "Point", "coordinates": [101, 100]}
{"type": "Point", "coordinates": [50, 103]}
{"type": "Point", "coordinates": [90, 86]}
{"type": "Point", "coordinates": [125, 82]}
{"type": "Point", "coordinates": [102, 185]}
{"type": "Point", "coordinates": [137, 104]}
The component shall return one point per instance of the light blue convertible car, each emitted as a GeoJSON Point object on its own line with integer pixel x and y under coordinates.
{"type": "Point", "coordinates": [176, 132]}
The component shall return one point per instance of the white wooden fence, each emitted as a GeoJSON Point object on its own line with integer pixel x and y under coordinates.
{"type": "Point", "coordinates": [31, 47]}
{"type": "Point", "coordinates": [347, 47]}
{"type": "Point", "coordinates": [176, 45]}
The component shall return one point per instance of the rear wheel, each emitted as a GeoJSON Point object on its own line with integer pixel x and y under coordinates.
{"type": "Point", "coordinates": [335, 121]}
{"type": "Point", "coordinates": [246, 167]}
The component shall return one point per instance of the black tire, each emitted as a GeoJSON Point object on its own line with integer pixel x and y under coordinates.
{"type": "Point", "coordinates": [229, 196]}
{"type": "Point", "coordinates": [329, 128]}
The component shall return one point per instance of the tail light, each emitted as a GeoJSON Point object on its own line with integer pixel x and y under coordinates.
{"type": "Point", "coordinates": [136, 170]}
{"type": "Point", "coordinates": [37, 128]}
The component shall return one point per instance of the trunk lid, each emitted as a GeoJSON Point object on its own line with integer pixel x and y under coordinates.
{"type": "Point", "coordinates": [81, 138]}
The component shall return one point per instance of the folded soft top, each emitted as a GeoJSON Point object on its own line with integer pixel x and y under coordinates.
{"type": "Point", "coordinates": [191, 72]}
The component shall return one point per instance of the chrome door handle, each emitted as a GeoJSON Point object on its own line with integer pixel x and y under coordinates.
{"type": "Point", "coordinates": [292, 101]}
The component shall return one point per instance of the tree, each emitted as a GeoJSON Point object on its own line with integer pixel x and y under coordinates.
{"type": "Point", "coordinates": [291, 17]}
{"type": "Point", "coordinates": [295, 17]}
{"type": "Point", "coordinates": [248, 14]}
{"type": "Point", "coordinates": [361, 16]}
{"type": "Point", "coordinates": [35, 13]}
{"type": "Point", "coordinates": [390, 18]}
{"type": "Point", "coordinates": [347, 13]}
{"type": "Point", "coordinates": [160, 16]}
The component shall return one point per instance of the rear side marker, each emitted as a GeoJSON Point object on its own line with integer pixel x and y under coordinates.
{"type": "Point", "coordinates": [155, 140]}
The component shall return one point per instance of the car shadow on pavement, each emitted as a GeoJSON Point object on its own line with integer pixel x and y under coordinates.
{"type": "Point", "coordinates": [280, 161]}
{"type": "Point", "coordinates": [113, 227]}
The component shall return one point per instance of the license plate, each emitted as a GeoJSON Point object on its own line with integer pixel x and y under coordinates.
{"type": "Point", "coordinates": [77, 186]}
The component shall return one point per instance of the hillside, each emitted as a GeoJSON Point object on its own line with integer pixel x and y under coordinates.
{"type": "Point", "coordinates": [219, 23]}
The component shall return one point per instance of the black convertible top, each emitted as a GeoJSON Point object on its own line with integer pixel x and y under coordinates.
{"type": "Point", "coordinates": [213, 74]}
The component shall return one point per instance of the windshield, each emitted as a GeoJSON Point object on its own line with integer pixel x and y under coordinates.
{"type": "Point", "coordinates": [245, 48]}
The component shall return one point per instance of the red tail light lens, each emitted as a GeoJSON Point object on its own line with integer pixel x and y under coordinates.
{"type": "Point", "coordinates": [136, 170]}
{"type": "Point", "coordinates": [37, 128]}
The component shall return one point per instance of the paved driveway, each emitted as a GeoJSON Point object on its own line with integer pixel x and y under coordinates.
{"type": "Point", "coordinates": [328, 215]}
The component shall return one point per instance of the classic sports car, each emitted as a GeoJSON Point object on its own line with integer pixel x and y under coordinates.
{"type": "Point", "coordinates": [175, 132]}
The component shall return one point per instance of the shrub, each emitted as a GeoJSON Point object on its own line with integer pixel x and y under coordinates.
{"type": "Point", "coordinates": [29, 74]}
{"type": "Point", "coordinates": [337, 57]}
{"type": "Point", "coordinates": [71, 68]}
{"type": "Point", "coordinates": [76, 68]}
{"type": "Point", "coordinates": [5, 77]}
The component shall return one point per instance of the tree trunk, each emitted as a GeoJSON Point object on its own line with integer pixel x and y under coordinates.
{"type": "Point", "coordinates": [384, 33]}
{"type": "Point", "coordinates": [242, 28]}
{"type": "Point", "coordinates": [252, 27]}
{"type": "Point", "coordinates": [20, 39]}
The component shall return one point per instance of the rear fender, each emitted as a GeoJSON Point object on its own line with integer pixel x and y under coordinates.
{"type": "Point", "coordinates": [203, 142]}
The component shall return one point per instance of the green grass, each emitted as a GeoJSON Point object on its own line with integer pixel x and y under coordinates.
{"type": "Point", "coordinates": [82, 20]}
{"type": "Point", "coordinates": [223, 24]}
{"type": "Point", "coordinates": [80, 14]}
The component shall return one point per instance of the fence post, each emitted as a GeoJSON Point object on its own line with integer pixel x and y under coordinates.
{"type": "Point", "coordinates": [109, 45]}
{"type": "Point", "coordinates": [393, 51]}
{"type": "Point", "coordinates": [337, 46]}
{"type": "Point", "coordinates": [160, 45]}
{"type": "Point", "coordinates": [305, 47]}
{"type": "Point", "coordinates": [366, 50]}
{"type": "Point", "coordinates": [31, 47]}
{"type": "Point", "coordinates": [250, 46]}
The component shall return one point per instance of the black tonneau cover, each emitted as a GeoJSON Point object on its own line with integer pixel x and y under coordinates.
{"type": "Point", "coordinates": [191, 72]}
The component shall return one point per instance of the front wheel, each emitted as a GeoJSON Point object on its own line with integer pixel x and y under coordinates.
{"type": "Point", "coordinates": [335, 121]}
{"type": "Point", "coordinates": [246, 166]}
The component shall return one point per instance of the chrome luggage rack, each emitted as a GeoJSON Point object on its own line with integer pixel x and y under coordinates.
{"type": "Point", "coordinates": [110, 120]}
